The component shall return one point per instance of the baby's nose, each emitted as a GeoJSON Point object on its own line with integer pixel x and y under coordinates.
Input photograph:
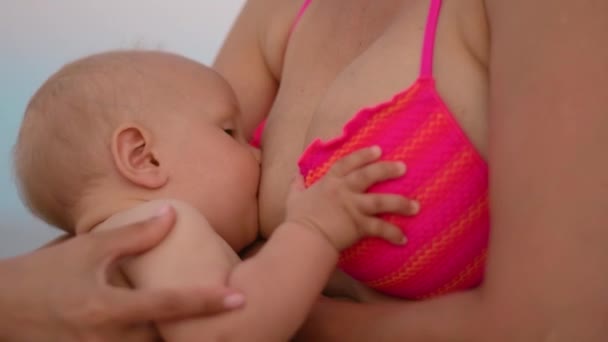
{"type": "Point", "coordinates": [257, 153]}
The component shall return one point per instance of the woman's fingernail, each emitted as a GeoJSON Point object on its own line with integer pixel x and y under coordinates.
{"type": "Point", "coordinates": [234, 301]}
{"type": "Point", "coordinates": [164, 210]}
{"type": "Point", "coordinates": [376, 150]}
{"type": "Point", "coordinates": [403, 240]}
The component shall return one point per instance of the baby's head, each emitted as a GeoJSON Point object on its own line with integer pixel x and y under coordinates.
{"type": "Point", "coordinates": [114, 129]}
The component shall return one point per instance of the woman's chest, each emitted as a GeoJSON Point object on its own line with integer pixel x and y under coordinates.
{"type": "Point", "coordinates": [342, 59]}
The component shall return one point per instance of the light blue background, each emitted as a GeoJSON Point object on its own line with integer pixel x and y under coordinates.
{"type": "Point", "coordinates": [38, 36]}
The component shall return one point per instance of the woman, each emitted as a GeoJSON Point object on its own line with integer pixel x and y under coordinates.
{"type": "Point", "coordinates": [531, 100]}
{"type": "Point", "coordinates": [526, 83]}
{"type": "Point", "coordinates": [61, 292]}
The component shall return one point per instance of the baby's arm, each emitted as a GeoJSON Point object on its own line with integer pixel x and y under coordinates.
{"type": "Point", "coordinates": [285, 278]}
{"type": "Point", "coordinates": [193, 254]}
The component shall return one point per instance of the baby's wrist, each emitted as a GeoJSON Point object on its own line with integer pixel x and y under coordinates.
{"type": "Point", "coordinates": [315, 228]}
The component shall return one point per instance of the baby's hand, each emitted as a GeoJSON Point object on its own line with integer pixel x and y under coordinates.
{"type": "Point", "coordinates": [338, 206]}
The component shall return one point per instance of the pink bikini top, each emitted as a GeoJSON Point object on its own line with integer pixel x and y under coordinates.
{"type": "Point", "coordinates": [447, 239]}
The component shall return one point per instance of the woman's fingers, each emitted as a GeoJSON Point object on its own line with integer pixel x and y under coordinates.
{"type": "Point", "coordinates": [128, 305]}
{"type": "Point", "coordinates": [168, 304]}
{"type": "Point", "coordinates": [134, 239]}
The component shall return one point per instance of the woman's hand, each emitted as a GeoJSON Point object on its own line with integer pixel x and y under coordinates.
{"type": "Point", "coordinates": [61, 292]}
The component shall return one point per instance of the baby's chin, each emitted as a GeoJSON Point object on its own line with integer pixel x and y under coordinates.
{"type": "Point", "coordinates": [248, 229]}
{"type": "Point", "coordinates": [253, 224]}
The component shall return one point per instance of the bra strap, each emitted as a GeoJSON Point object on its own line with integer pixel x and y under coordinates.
{"type": "Point", "coordinates": [426, 65]}
{"type": "Point", "coordinates": [299, 15]}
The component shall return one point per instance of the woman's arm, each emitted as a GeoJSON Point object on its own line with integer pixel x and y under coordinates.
{"type": "Point", "coordinates": [549, 169]}
{"type": "Point", "coordinates": [58, 293]}
{"type": "Point", "coordinates": [548, 254]}
{"type": "Point", "coordinates": [445, 319]}
{"type": "Point", "coordinates": [251, 57]}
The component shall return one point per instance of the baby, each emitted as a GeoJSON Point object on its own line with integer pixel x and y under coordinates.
{"type": "Point", "coordinates": [117, 137]}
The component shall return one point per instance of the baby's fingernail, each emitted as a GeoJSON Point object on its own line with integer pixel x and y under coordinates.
{"type": "Point", "coordinates": [376, 150]}
{"type": "Point", "coordinates": [415, 207]}
{"type": "Point", "coordinates": [402, 168]}
{"type": "Point", "coordinates": [234, 301]}
{"type": "Point", "coordinates": [403, 240]}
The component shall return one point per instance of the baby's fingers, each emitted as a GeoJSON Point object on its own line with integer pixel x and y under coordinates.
{"type": "Point", "coordinates": [374, 204]}
{"type": "Point", "coordinates": [384, 230]}
{"type": "Point", "coordinates": [361, 179]}
{"type": "Point", "coordinates": [355, 160]}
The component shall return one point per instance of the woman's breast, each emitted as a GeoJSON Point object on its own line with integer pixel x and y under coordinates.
{"type": "Point", "coordinates": [322, 88]}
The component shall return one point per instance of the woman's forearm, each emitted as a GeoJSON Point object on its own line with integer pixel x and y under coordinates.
{"type": "Point", "coordinates": [7, 301]}
{"type": "Point", "coordinates": [548, 170]}
{"type": "Point", "coordinates": [451, 318]}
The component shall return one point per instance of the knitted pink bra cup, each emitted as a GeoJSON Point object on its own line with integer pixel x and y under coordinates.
{"type": "Point", "coordinates": [447, 239]}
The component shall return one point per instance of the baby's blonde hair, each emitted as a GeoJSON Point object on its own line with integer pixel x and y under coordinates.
{"type": "Point", "coordinates": [63, 145]}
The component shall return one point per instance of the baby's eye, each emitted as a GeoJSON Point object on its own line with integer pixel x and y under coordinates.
{"type": "Point", "coordinates": [229, 131]}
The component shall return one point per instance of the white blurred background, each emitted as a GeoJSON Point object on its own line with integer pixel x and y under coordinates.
{"type": "Point", "coordinates": [38, 36]}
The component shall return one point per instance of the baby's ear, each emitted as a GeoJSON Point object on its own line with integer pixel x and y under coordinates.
{"type": "Point", "coordinates": [135, 158]}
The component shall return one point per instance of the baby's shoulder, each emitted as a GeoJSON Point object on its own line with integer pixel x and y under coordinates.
{"type": "Point", "coordinates": [191, 254]}
{"type": "Point", "coordinates": [191, 226]}
{"type": "Point", "coordinates": [148, 209]}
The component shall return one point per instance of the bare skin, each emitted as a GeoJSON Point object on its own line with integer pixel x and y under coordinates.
{"type": "Point", "coordinates": [540, 123]}
{"type": "Point", "coordinates": [324, 94]}
{"type": "Point", "coordinates": [541, 126]}
{"type": "Point", "coordinates": [75, 302]}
